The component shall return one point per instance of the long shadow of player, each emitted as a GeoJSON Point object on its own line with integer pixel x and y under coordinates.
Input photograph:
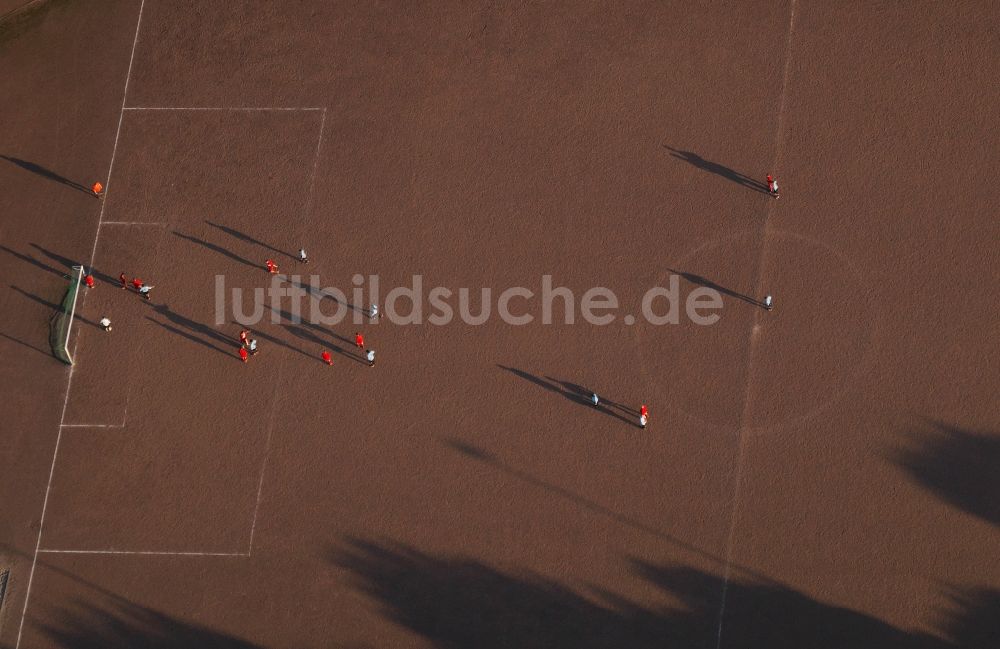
{"type": "Point", "coordinates": [46, 173]}
{"type": "Point", "coordinates": [320, 294]}
{"type": "Point", "coordinates": [34, 262]}
{"type": "Point", "coordinates": [719, 170]}
{"type": "Point", "coordinates": [24, 344]}
{"type": "Point", "coordinates": [53, 306]}
{"type": "Point", "coordinates": [189, 336]}
{"type": "Point", "coordinates": [707, 283]}
{"type": "Point", "coordinates": [568, 390]}
{"type": "Point", "coordinates": [274, 340]}
{"type": "Point", "coordinates": [297, 327]}
{"type": "Point", "coordinates": [304, 334]}
{"type": "Point", "coordinates": [216, 248]}
{"type": "Point", "coordinates": [303, 325]}
{"type": "Point", "coordinates": [585, 394]}
{"type": "Point", "coordinates": [242, 236]}
{"type": "Point", "coordinates": [193, 325]}
{"type": "Point", "coordinates": [69, 263]}
{"type": "Point", "coordinates": [604, 406]}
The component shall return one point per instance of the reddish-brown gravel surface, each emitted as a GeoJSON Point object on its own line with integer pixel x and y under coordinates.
{"type": "Point", "coordinates": [822, 475]}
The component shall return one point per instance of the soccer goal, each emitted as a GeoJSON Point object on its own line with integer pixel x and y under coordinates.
{"type": "Point", "coordinates": [62, 320]}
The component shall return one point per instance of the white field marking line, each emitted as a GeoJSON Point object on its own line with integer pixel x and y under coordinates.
{"type": "Point", "coordinates": [784, 91]}
{"type": "Point", "coordinates": [260, 487]}
{"type": "Point", "coordinates": [741, 454]}
{"type": "Point", "coordinates": [267, 454]}
{"type": "Point", "coordinates": [232, 108]}
{"type": "Point", "coordinates": [128, 397]}
{"type": "Point", "coordinates": [55, 452]}
{"type": "Point", "coordinates": [156, 223]}
{"type": "Point", "coordinates": [149, 553]}
{"type": "Point", "coordinates": [121, 425]}
{"type": "Point", "coordinates": [118, 133]}
{"type": "Point", "coordinates": [45, 504]}
{"type": "Point", "coordinates": [312, 176]}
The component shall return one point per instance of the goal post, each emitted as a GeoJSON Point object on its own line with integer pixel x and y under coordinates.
{"type": "Point", "coordinates": [62, 320]}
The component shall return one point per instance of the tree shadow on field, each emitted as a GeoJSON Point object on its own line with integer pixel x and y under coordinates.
{"type": "Point", "coordinates": [458, 602]}
{"type": "Point", "coordinates": [46, 173]}
{"type": "Point", "coordinates": [26, 17]}
{"type": "Point", "coordinates": [961, 466]}
{"type": "Point", "coordinates": [123, 625]}
{"type": "Point", "coordinates": [974, 618]}
{"type": "Point", "coordinates": [119, 623]}
{"type": "Point", "coordinates": [719, 170]}
{"type": "Point", "coordinates": [217, 248]}
{"type": "Point", "coordinates": [707, 283]}
{"type": "Point", "coordinates": [492, 461]}
{"type": "Point", "coordinates": [242, 236]}
{"type": "Point", "coordinates": [573, 392]}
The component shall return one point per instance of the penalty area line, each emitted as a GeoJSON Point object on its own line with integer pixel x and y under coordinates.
{"type": "Point", "coordinates": [231, 108]}
{"type": "Point", "coordinates": [121, 425]}
{"type": "Point", "coordinates": [92, 425]}
{"type": "Point", "coordinates": [159, 224]}
{"type": "Point", "coordinates": [148, 553]}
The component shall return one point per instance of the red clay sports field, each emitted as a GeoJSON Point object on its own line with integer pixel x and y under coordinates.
{"type": "Point", "coordinates": [821, 475]}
